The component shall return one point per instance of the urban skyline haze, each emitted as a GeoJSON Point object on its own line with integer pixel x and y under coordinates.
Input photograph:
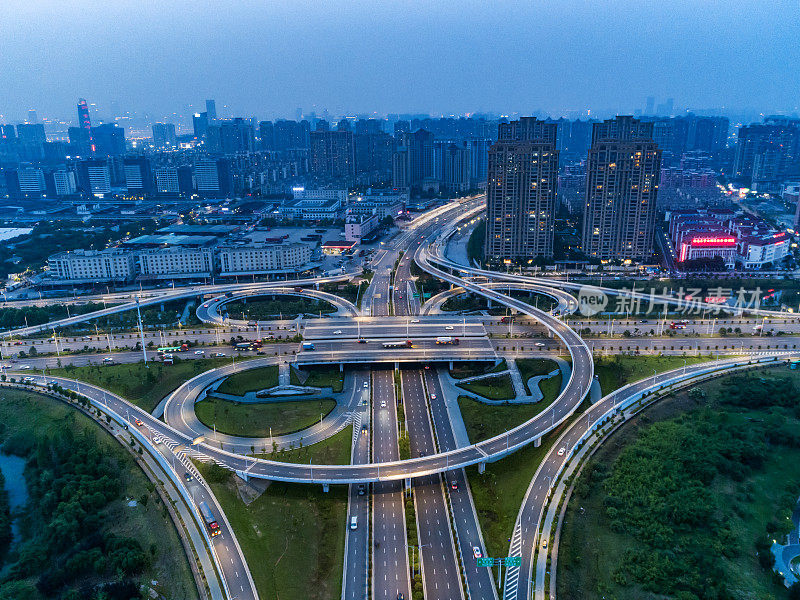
{"type": "Point", "coordinates": [268, 59]}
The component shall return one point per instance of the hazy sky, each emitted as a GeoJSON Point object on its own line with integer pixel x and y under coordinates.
{"type": "Point", "coordinates": [268, 57]}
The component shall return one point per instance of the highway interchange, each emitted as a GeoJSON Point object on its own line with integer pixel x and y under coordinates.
{"type": "Point", "coordinates": [377, 561]}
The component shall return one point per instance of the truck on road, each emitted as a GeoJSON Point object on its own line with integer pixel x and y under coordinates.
{"type": "Point", "coordinates": [398, 344]}
{"type": "Point", "coordinates": [308, 346]}
{"type": "Point", "coordinates": [446, 339]}
{"type": "Point", "coordinates": [210, 519]}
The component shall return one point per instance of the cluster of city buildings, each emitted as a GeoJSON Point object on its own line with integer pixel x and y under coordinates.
{"type": "Point", "coordinates": [184, 252]}
{"type": "Point", "coordinates": [736, 239]}
{"type": "Point", "coordinates": [622, 177]}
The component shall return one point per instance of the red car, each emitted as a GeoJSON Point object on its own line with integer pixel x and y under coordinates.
{"type": "Point", "coordinates": [139, 422]}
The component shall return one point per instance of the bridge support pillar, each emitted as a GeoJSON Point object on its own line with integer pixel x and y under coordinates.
{"type": "Point", "coordinates": [451, 365]}
{"type": "Point", "coordinates": [326, 488]}
{"type": "Point", "coordinates": [243, 475]}
{"type": "Point", "coordinates": [408, 485]}
{"type": "Point", "coordinates": [481, 468]}
{"type": "Point", "coordinates": [489, 302]}
{"type": "Point", "coordinates": [341, 367]}
{"type": "Point", "coordinates": [396, 366]}
{"type": "Point", "coordinates": [537, 442]}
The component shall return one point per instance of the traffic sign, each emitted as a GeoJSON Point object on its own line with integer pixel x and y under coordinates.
{"type": "Point", "coordinates": [514, 561]}
{"type": "Point", "coordinates": [485, 561]}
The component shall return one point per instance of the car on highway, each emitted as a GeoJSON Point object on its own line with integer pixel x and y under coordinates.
{"type": "Point", "coordinates": [362, 341]}
{"type": "Point", "coordinates": [362, 489]}
{"type": "Point", "coordinates": [433, 396]}
{"type": "Point", "coordinates": [476, 552]}
{"type": "Point", "coordinates": [454, 485]}
{"type": "Point", "coordinates": [544, 543]}
{"type": "Point", "coordinates": [415, 320]}
{"type": "Point", "coordinates": [366, 384]}
{"type": "Point", "coordinates": [354, 522]}
{"type": "Point", "coordinates": [219, 354]}
{"type": "Point", "coordinates": [199, 351]}
{"type": "Point", "coordinates": [400, 596]}
{"type": "Point", "coordinates": [337, 332]}
{"type": "Point", "coordinates": [539, 345]}
{"type": "Point", "coordinates": [187, 476]}
{"type": "Point", "coordinates": [26, 367]}
{"type": "Point", "coordinates": [449, 327]}
{"type": "Point", "coordinates": [139, 422]}
{"type": "Point", "coordinates": [562, 451]}
{"type": "Point", "coordinates": [383, 403]}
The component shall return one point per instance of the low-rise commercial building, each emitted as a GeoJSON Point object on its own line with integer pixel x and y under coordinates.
{"type": "Point", "coordinates": [175, 263]}
{"type": "Point", "coordinates": [89, 266]}
{"type": "Point", "coordinates": [263, 259]}
{"type": "Point", "coordinates": [360, 226]}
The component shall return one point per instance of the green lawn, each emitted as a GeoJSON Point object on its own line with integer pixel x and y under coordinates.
{"type": "Point", "coordinates": [749, 502]}
{"type": "Point", "coordinates": [531, 367]}
{"type": "Point", "coordinates": [287, 307]}
{"type": "Point", "coordinates": [334, 450]}
{"type": "Point", "coordinates": [143, 386]}
{"type": "Point", "coordinates": [320, 377]}
{"type": "Point", "coordinates": [493, 388]}
{"type": "Point", "coordinates": [484, 421]}
{"type": "Point", "coordinates": [617, 371]}
{"type": "Point", "coordinates": [27, 417]}
{"type": "Point", "coordinates": [292, 537]}
{"type": "Point", "coordinates": [251, 380]}
{"type": "Point", "coordinates": [251, 419]}
{"type": "Point", "coordinates": [498, 493]}
{"type": "Point", "coordinates": [462, 370]}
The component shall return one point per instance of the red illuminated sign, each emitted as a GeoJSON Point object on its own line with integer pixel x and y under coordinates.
{"type": "Point", "coordinates": [713, 241]}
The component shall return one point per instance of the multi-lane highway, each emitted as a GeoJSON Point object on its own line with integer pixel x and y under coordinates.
{"type": "Point", "coordinates": [355, 576]}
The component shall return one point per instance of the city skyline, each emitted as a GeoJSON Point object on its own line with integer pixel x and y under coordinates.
{"type": "Point", "coordinates": [356, 58]}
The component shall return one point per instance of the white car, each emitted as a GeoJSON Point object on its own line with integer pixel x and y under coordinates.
{"type": "Point", "coordinates": [383, 403]}
{"type": "Point", "coordinates": [337, 332]}
{"type": "Point", "coordinates": [199, 351]}
{"type": "Point", "coordinates": [25, 367]}
{"type": "Point", "coordinates": [476, 552]}
{"type": "Point", "coordinates": [449, 328]}
{"type": "Point", "coordinates": [415, 320]}
{"type": "Point", "coordinates": [539, 345]}
{"type": "Point", "coordinates": [366, 384]}
{"type": "Point", "coordinates": [433, 396]}
{"type": "Point", "coordinates": [562, 451]}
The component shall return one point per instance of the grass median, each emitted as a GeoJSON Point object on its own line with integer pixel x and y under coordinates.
{"type": "Point", "coordinates": [261, 419]}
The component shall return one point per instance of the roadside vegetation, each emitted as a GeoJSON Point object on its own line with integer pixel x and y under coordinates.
{"type": "Point", "coordinates": [484, 421]}
{"type": "Point", "coordinates": [144, 386]}
{"type": "Point", "coordinates": [492, 388]}
{"type": "Point", "coordinates": [261, 419]}
{"type": "Point", "coordinates": [321, 377]}
{"type": "Point", "coordinates": [333, 450]}
{"type": "Point", "coordinates": [251, 380]}
{"type": "Point", "coordinates": [93, 526]}
{"type": "Point", "coordinates": [614, 372]}
{"type": "Point", "coordinates": [292, 535]}
{"type": "Point", "coordinates": [265, 308]}
{"type": "Point", "coordinates": [462, 370]}
{"type": "Point", "coordinates": [476, 241]}
{"type": "Point", "coordinates": [687, 507]}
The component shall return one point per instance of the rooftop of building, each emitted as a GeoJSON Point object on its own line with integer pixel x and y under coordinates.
{"type": "Point", "coordinates": [207, 230]}
{"type": "Point", "coordinates": [171, 240]}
